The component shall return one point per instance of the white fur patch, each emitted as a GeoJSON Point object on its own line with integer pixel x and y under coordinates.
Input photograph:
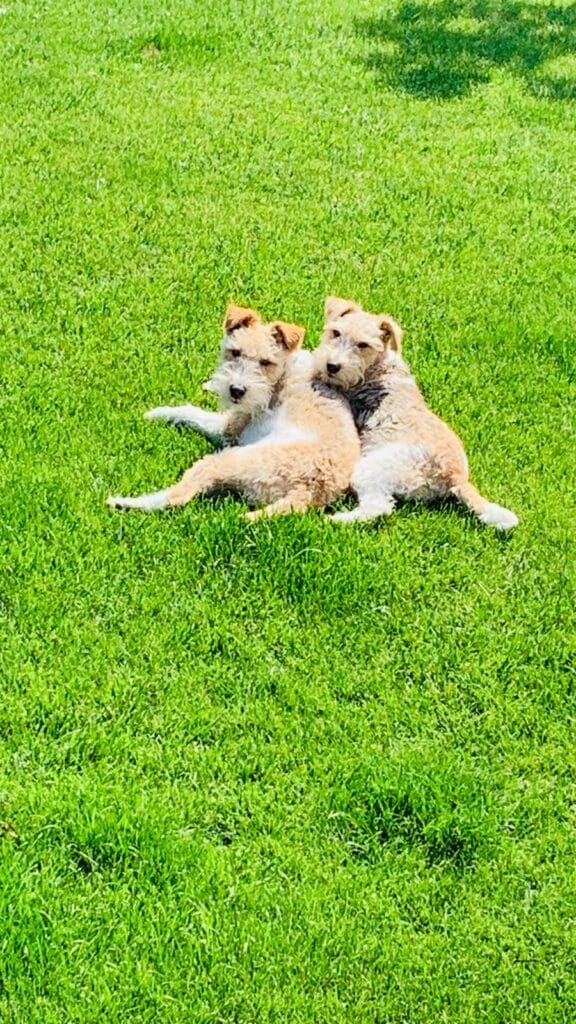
{"type": "Point", "coordinates": [273, 428]}
{"type": "Point", "coordinates": [383, 473]}
{"type": "Point", "coordinates": [301, 362]}
{"type": "Point", "coordinates": [393, 469]}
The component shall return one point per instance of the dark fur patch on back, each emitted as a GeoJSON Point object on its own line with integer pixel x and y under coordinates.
{"type": "Point", "coordinates": [365, 399]}
{"type": "Point", "coordinates": [324, 389]}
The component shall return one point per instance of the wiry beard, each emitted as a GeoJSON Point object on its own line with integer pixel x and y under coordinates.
{"type": "Point", "coordinates": [241, 373]}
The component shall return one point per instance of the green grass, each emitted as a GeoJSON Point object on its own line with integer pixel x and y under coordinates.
{"type": "Point", "coordinates": [284, 773]}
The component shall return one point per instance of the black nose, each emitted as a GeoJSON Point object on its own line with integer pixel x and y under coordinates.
{"type": "Point", "coordinates": [237, 392]}
{"type": "Point", "coordinates": [333, 367]}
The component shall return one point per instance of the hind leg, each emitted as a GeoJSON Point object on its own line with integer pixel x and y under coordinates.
{"type": "Point", "coordinates": [373, 502]}
{"type": "Point", "coordinates": [379, 477]}
{"type": "Point", "coordinates": [207, 475]}
{"type": "Point", "coordinates": [263, 475]}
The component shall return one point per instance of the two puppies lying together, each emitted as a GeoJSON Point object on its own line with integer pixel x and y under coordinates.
{"type": "Point", "coordinates": [301, 429]}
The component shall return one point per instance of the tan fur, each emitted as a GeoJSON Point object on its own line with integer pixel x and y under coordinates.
{"type": "Point", "coordinates": [408, 451]}
{"type": "Point", "coordinates": [240, 316]}
{"type": "Point", "coordinates": [284, 477]}
{"type": "Point", "coordinates": [297, 446]}
{"type": "Point", "coordinates": [261, 354]}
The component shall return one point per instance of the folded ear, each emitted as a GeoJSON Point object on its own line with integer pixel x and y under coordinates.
{"type": "Point", "coordinates": [289, 336]}
{"type": "Point", "coordinates": [239, 316]}
{"type": "Point", "coordinates": [391, 333]}
{"type": "Point", "coordinates": [335, 307]}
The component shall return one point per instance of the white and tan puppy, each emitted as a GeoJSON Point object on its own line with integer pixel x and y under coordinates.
{"type": "Point", "coordinates": [255, 362]}
{"type": "Point", "coordinates": [298, 446]}
{"type": "Point", "coordinates": [407, 451]}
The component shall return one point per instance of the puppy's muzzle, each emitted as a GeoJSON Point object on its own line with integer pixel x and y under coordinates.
{"type": "Point", "coordinates": [237, 392]}
{"type": "Point", "coordinates": [333, 368]}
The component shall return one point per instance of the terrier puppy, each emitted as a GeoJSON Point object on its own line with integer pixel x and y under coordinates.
{"type": "Point", "coordinates": [407, 451]}
{"type": "Point", "coordinates": [255, 359]}
{"type": "Point", "coordinates": [298, 446]}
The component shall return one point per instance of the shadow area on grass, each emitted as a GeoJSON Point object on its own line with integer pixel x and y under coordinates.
{"type": "Point", "coordinates": [443, 50]}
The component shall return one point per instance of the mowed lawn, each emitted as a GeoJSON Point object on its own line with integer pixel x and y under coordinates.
{"type": "Point", "coordinates": [284, 772]}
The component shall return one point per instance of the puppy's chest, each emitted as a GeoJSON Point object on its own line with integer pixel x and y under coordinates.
{"type": "Point", "coordinates": [258, 428]}
{"type": "Point", "coordinates": [271, 428]}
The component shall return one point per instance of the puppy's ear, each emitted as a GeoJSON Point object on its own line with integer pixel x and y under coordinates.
{"type": "Point", "coordinates": [289, 336]}
{"type": "Point", "coordinates": [335, 307]}
{"type": "Point", "coordinates": [239, 316]}
{"type": "Point", "coordinates": [391, 333]}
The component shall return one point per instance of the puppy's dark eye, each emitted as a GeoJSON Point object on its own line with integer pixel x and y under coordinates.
{"type": "Point", "coordinates": [266, 362]}
{"type": "Point", "coordinates": [336, 334]}
{"type": "Point", "coordinates": [234, 352]}
{"type": "Point", "coordinates": [363, 344]}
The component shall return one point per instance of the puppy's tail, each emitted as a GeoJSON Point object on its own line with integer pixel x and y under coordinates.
{"type": "Point", "coordinates": [487, 512]}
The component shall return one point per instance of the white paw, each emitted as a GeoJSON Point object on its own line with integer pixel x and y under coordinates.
{"type": "Point", "coordinates": [145, 502]}
{"type": "Point", "coordinates": [498, 517]}
{"type": "Point", "coordinates": [344, 517]}
{"type": "Point", "coordinates": [363, 513]}
{"type": "Point", "coordinates": [161, 412]}
{"type": "Point", "coordinates": [117, 502]}
{"type": "Point", "coordinates": [340, 517]}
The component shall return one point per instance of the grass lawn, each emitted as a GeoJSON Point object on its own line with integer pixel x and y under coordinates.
{"type": "Point", "coordinates": [284, 772]}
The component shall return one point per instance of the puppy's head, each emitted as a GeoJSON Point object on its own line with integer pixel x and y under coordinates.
{"type": "Point", "coordinates": [254, 357]}
{"type": "Point", "coordinates": [352, 342]}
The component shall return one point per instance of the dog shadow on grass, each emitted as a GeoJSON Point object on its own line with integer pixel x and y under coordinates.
{"type": "Point", "coordinates": [443, 50]}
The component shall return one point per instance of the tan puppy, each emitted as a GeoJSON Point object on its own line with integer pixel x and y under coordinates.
{"type": "Point", "coordinates": [255, 361]}
{"type": "Point", "coordinates": [407, 451]}
{"type": "Point", "coordinates": [299, 445]}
